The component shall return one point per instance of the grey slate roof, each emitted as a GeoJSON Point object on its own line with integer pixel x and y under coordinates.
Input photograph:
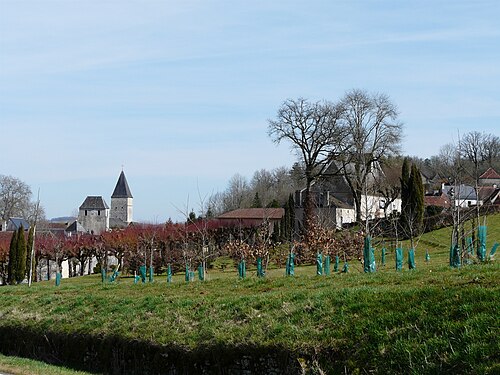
{"type": "Point", "coordinates": [460, 191]}
{"type": "Point", "coordinates": [16, 222]}
{"type": "Point", "coordinates": [75, 226]}
{"type": "Point", "coordinates": [117, 223]}
{"type": "Point", "coordinates": [94, 203]}
{"type": "Point", "coordinates": [122, 190]}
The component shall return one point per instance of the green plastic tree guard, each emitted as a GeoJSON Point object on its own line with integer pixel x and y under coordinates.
{"type": "Point", "coordinates": [470, 247]}
{"type": "Point", "coordinates": [113, 276]}
{"type": "Point", "coordinates": [494, 250]}
{"type": "Point", "coordinates": [326, 265]}
{"type": "Point", "coordinates": [136, 279]}
{"type": "Point", "coordinates": [169, 274]}
{"type": "Point", "coordinates": [399, 259]}
{"type": "Point", "coordinates": [260, 269]}
{"type": "Point", "coordinates": [58, 278]}
{"type": "Point", "coordinates": [201, 273]}
{"type": "Point", "coordinates": [151, 274]}
{"type": "Point", "coordinates": [383, 256]}
{"type": "Point", "coordinates": [481, 249]}
{"type": "Point", "coordinates": [191, 275]}
{"type": "Point", "coordinates": [336, 264]}
{"type": "Point", "coordinates": [142, 272]}
{"type": "Point", "coordinates": [242, 269]}
{"type": "Point", "coordinates": [319, 264]}
{"type": "Point", "coordinates": [411, 259]}
{"type": "Point", "coordinates": [187, 275]}
{"type": "Point", "coordinates": [346, 268]}
{"type": "Point", "coordinates": [455, 256]}
{"type": "Point", "coordinates": [103, 275]}
{"type": "Point", "coordinates": [427, 256]}
{"type": "Point", "coordinates": [290, 266]}
{"type": "Point", "coordinates": [368, 256]}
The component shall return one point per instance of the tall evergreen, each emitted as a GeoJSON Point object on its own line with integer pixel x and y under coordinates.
{"type": "Point", "coordinates": [20, 272]}
{"type": "Point", "coordinates": [288, 220]}
{"type": "Point", "coordinates": [412, 200]}
{"type": "Point", "coordinates": [29, 246]}
{"type": "Point", "coordinates": [405, 204]}
{"type": "Point", "coordinates": [257, 203]}
{"type": "Point", "coordinates": [12, 259]}
{"type": "Point", "coordinates": [291, 205]}
{"type": "Point", "coordinates": [417, 200]}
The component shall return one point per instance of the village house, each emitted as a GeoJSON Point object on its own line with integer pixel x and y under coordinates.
{"type": "Point", "coordinates": [461, 195]}
{"type": "Point", "coordinates": [13, 224]}
{"type": "Point", "coordinates": [490, 178]}
{"type": "Point", "coordinates": [251, 217]}
{"type": "Point", "coordinates": [334, 204]}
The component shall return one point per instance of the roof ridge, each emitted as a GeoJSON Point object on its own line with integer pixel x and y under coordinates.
{"type": "Point", "coordinates": [122, 189]}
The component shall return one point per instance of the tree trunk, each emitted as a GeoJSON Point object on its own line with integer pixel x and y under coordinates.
{"type": "Point", "coordinates": [308, 207]}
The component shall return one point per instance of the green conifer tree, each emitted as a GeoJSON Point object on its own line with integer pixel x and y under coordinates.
{"type": "Point", "coordinates": [12, 259]}
{"type": "Point", "coordinates": [29, 247]}
{"type": "Point", "coordinates": [256, 201]}
{"type": "Point", "coordinates": [291, 218]}
{"type": "Point", "coordinates": [288, 220]}
{"type": "Point", "coordinates": [417, 200]}
{"type": "Point", "coordinates": [405, 193]}
{"type": "Point", "coordinates": [20, 271]}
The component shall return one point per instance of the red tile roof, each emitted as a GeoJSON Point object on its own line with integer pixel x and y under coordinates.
{"type": "Point", "coordinates": [254, 213]}
{"type": "Point", "coordinates": [437, 200]}
{"type": "Point", "coordinates": [490, 174]}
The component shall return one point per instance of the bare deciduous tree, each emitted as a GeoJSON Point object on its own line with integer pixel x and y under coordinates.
{"type": "Point", "coordinates": [15, 196]}
{"type": "Point", "coordinates": [373, 132]}
{"type": "Point", "coordinates": [315, 133]}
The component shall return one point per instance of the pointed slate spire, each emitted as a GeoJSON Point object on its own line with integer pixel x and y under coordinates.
{"type": "Point", "coordinates": [122, 190]}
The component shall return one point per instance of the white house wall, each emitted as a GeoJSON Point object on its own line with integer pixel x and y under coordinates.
{"type": "Point", "coordinates": [372, 206]}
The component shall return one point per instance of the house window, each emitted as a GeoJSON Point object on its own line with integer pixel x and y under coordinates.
{"type": "Point", "coordinates": [98, 212]}
{"type": "Point", "coordinates": [381, 204]}
{"type": "Point", "coordinates": [85, 212]}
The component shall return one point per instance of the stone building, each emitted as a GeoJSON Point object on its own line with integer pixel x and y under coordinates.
{"type": "Point", "coordinates": [121, 204]}
{"type": "Point", "coordinates": [93, 215]}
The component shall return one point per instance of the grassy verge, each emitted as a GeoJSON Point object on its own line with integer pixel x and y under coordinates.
{"type": "Point", "coordinates": [432, 319]}
{"type": "Point", "coordinates": [23, 366]}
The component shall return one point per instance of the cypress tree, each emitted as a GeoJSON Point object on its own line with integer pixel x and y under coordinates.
{"type": "Point", "coordinates": [12, 259]}
{"type": "Point", "coordinates": [20, 271]}
{"type": "Point", "coordinates": [405, 194]}
{"type": "Point", "coordinates": [256, 201]}
{"type": "Point", "coordinates": [291, 203]}
{"type": "Point", "coordinates": [29, 246]}
{"type": "Point", "coordinates": [417, 200]}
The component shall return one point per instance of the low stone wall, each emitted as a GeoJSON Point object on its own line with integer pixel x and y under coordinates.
{"type": "Point", "coordinates": [114, 355]}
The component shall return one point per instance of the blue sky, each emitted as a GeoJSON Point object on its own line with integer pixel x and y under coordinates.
{"type": "Point", "coordinates": [179, 92]}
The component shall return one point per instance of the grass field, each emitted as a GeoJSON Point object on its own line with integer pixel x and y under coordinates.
{"type": "Point", "coordinates": [23, 366]}
{"type": "Point", "coordinates": [429, 320]}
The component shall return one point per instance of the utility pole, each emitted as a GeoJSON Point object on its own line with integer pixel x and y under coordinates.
{"type": "Point", "coordinates": [33, 243]}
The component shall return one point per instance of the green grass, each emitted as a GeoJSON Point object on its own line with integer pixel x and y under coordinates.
{"type": "Point", "coordinates": [429, 320]}
{"type": "Point", "coordinates": [23, 366]}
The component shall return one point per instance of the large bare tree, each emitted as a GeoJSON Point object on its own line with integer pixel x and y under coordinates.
{"type": "Point", "coordinates": [315, 132]}
{"type": "Point", "coordinates": [373, 132]}
{"type": "Point", "coordinates": [15, 199]}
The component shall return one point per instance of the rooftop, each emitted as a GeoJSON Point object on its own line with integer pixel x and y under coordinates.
{"type": "Point", "coordinates": [122, 190]}
{"type": "Point", "coordinates": [490, 174]}
{"type": "Point", "coordinates": [254, 213]}
{"type": "Point", "coordinates": [94, 203]}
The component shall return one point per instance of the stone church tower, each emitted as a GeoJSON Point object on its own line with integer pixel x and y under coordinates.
{"type": "Point", "coordinates": [121, 203]}
{"type": "Point", "coordinates": [93, 215]}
